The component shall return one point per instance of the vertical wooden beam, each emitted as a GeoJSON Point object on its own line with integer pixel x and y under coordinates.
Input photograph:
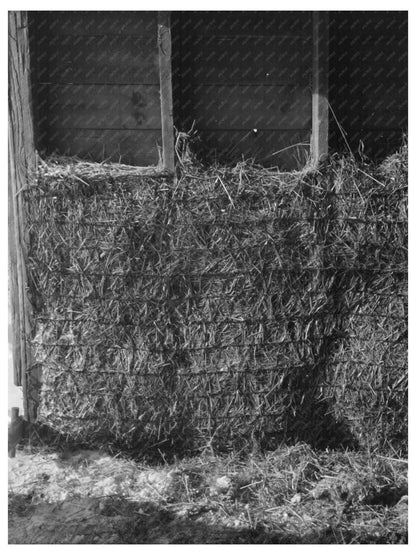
{"type": "Point", "coordinates": [16, 429]}
{"type": "Point", "coordinates": [165, 72]}
{"type": "Point", "coordinates": [319, 137]}
{"type": "Point", "coordinates": [22, 167]}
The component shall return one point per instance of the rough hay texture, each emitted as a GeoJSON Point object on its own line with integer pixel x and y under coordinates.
{"type": "Point", "coordinates": [235, 307]}
{"type": "Point", "coordinates": [293, 495]}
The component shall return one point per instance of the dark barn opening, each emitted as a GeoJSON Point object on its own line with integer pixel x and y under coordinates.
{"type": "Point", "coordinates": [95, 85]}
{"type": "Point", "coordinates": [243, 81]}
{"type": "Point", "coordinates": [244, 78]}
{"type": "Point", "coordinates": [368, 80]}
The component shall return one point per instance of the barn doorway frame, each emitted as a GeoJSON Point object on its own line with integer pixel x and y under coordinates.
{"type": "Point", "coordinates": [319, 45]}
{"type": "Point", "coordinates": [320, 106]}
{"type": "Point", "coordinates": [22, 167]}
{"type": "Point", "coordinates": [22, 160]}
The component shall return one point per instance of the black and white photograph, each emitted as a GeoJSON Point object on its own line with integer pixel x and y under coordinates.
{"type": "Point", "coordinates": [208, 275]}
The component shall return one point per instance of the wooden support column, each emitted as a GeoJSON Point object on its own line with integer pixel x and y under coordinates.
{"type": "Point", "coordinates": [319, 138]}
{"type": "Point", "coordinates": [22, 166]}
{"type": "Point", "coordinates": [16, 431]}
{"type": "Point", "coordinates": [165, 72]}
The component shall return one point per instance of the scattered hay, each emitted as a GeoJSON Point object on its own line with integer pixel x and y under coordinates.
{"type": "Point", "coordinates": [88, 497]}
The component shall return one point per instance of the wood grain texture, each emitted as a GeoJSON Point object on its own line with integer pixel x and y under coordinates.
{"type": "Point", "coordinates": [166, 102]}
{"type": "Point", "coordinates": [14, 290]}
{"type": "Point", "coordinates": [21, 172]}
{"type": "Point", "coordinates": [319, 137]}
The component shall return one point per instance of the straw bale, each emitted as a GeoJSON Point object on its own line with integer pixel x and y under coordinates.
{"type": "Point", "coordinates": [234, 305]}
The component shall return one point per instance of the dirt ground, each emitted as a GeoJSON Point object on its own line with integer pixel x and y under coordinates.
{"type": "Point", "coordinates": [293, 495]}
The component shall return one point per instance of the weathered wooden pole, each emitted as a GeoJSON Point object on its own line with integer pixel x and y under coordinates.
{"type": "Point", "coordinates": [166, 102]}
{"type": "Point", "coordinates": [16, 431]}
{"type": "Point", "coordinates": [22, 167]}
{"type": "Point", "coordinates": [319, 137]}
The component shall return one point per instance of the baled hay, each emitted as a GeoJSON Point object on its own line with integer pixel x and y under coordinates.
{"type": "Point", "coordinates": [236, 306]}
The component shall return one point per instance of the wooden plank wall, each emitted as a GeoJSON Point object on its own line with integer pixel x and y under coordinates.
{"type": "Point", "coordinates": [368, 79]}
{"type": "Point", "coordinates": [236, 72]}
{"type": "Point", "coordinates": [22, 165]}
{"type": "Point", "coordinates": [97, 85]}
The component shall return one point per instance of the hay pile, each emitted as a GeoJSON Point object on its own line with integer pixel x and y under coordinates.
{"type": "Point", "coordinates": [234, 307]}
{"type": "Point", "coordinates": [293, 495]}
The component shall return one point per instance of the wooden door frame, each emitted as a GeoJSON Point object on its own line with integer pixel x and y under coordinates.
{"type": "Point", "coordinates": [319, 135]}
{"type": "Point", "coordinates": [22, 169]}
{"type": "Point", "coordinates": [166, 100]}
{"type": "Point", "coordinates": [22, 172]}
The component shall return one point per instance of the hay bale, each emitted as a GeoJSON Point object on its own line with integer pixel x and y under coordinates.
{"type": "Point", "coordinates": [233, 306]}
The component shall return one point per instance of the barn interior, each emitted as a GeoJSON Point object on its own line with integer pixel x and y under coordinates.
{"type": "Point", "coordinates": [241, 82]}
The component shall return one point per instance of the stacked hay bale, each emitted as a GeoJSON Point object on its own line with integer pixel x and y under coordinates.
{"type": "Point", "coordinates": [235, 306]}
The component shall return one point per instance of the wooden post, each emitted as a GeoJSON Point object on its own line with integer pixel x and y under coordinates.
{"type": "Point", "coordinates": [319, 138]}
{"type": "Point", "coordinates": [16, 430]}
{"type": "Point", "coordinates": [22, 166]}
{"type": "Point", "coordinates": [165, 72]}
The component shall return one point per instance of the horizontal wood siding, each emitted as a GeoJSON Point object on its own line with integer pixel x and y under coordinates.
{"type": "Point", "coordinates": [118, 23]}
{"type": "Point", "coordinates": [247, 23]}
{"type": "Point", "coordinates": [244, 79]}
{"type": "Point", "coordinates": [250, 106]}
{"type": "Point", "coordinates": [103, 59]}
{"type": "Point", "coordinates": [280, 60]}
{"type": "Point", "coordinates": [108, 144]}
{"type": "Point", "coordinates": [97, 85]}
{"type": "Point", "coordinates": [368, 79]}
{"type": "Point", "coordinates": [104, 107]}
